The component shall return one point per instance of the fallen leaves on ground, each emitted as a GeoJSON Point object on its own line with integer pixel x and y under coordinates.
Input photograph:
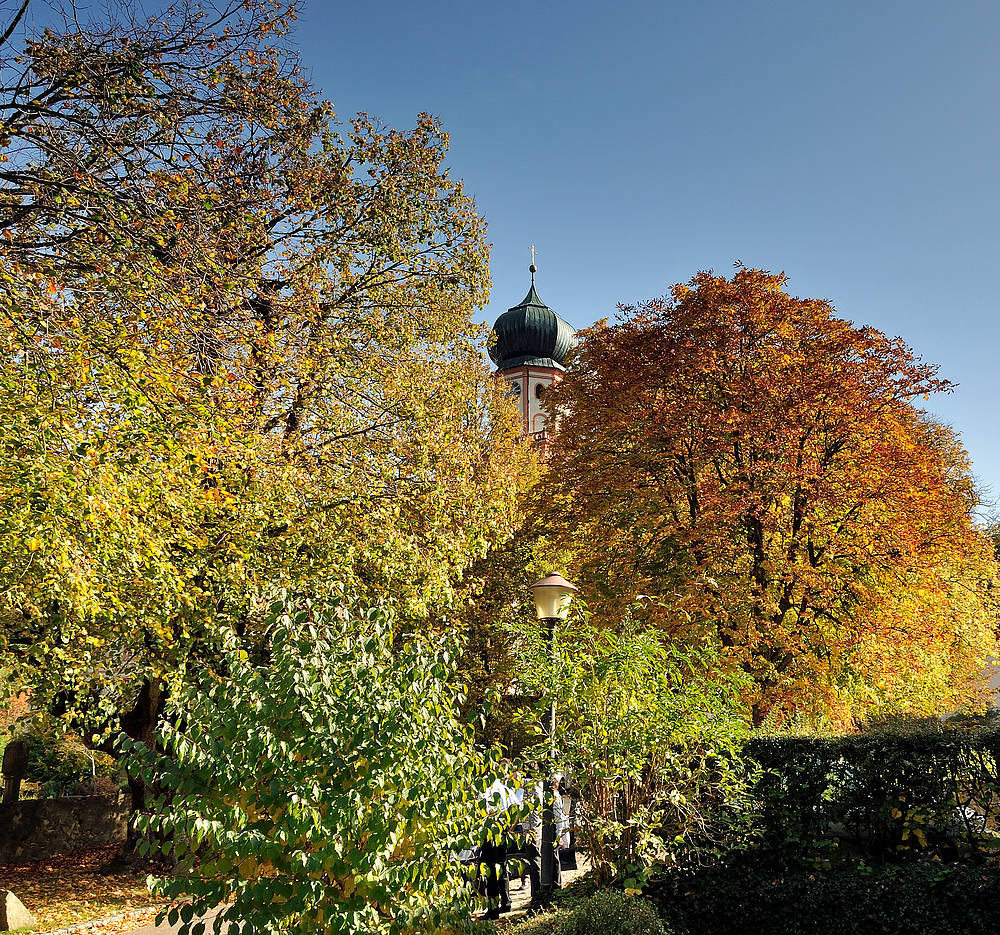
{"type": "Point", "coordinates": [84, 886]}
{"type": "Point", "coordinates": [118, 925]}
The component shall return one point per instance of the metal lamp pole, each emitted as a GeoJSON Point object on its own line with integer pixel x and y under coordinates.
{"type": "Point", "coordinates": [552, 594]}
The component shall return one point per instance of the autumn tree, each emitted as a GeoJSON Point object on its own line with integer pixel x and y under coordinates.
{"type": "Point", "coordinates": [236, 352]}
{"type": "Point", "coordinates": [761, 468]}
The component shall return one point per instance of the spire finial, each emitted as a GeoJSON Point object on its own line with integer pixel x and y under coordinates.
{"type": "Point", "coordinates": [532, 269]}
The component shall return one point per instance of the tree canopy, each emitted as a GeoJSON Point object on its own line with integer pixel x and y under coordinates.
{"type": "Point", "coordinates": [761, 468]}
{"type": "Point", "coordinates": [238, 351]}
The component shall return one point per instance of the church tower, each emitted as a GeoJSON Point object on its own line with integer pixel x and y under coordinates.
{"type": "Point", "coordinates": [530, 343]}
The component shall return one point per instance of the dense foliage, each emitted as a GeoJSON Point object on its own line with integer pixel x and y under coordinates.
{"type": "Point", "coordinates": [648, 734]}
{"type": "Point", "coordinates": [925, 898]}
{"type": "Point", "coordinates": [890, 831]}
{"type": "Point", "coordinates": [881, 795]}
{"type": "Point", "coordinates": [237, 353]}
{"type": "Point", "coordinates": [497, 615]}
{"type": "Point", "coordinates": [761, 467]}
{"type": "Point", "coordinates": [330, 790]}
{"type": "Point", "coordinates": [60, 763]}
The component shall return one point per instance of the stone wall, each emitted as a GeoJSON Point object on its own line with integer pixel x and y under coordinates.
{"type": "Point", "coordinates": [36, 828]}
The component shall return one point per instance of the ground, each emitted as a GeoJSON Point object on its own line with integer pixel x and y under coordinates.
{"type": "Point", "coordinates": [521, 895]}
{"type": "Point", "coordinates": [91, 884]}
{"type": "Point", "coordinates": [80, 887]}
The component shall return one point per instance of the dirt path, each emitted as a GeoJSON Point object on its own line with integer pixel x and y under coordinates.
{"type": "Point", "coordinates": [520, 897]}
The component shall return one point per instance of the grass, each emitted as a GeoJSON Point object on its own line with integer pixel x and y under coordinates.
{"type": "Point", "coordinates": [84, 886]}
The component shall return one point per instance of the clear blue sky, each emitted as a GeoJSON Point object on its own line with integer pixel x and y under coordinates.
{"type": "Point", "coordinates": [852, 144]}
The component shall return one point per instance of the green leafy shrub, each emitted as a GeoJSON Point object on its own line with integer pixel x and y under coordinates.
{"type": "Point", "coordinates": [60, 764]}
{"type": "Point", "coordinates": [917, 898]}
{"type": "Point", "coordinates": [650, 734]}
{"type": "Point", "coordinates": [612, 912]}
{"type": "Point", "coordinates": [328, 791]}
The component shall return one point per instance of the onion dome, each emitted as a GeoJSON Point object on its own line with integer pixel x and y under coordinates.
{"type": "Point", "coordinates": [531, 334]}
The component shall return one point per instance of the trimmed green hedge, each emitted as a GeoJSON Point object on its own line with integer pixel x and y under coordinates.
{"type": "Point", "coordinates": [926, 898]}
{"type": "Point", "coordinates": [879, 796]}
{"type": "Point", "coordinates": [889, 832]}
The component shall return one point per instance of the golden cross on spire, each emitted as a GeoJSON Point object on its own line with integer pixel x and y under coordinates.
{"type": "Point", "coordinates": [532, 269]}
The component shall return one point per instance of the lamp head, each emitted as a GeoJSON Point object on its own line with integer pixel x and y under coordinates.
{"type": "Point", "coordinates": [553, 594]}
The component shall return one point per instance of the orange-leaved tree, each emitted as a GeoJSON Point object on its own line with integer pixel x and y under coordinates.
{"type": "Point", "coordinates": [760, 469]}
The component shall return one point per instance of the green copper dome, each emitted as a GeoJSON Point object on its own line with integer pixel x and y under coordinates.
{"type": "Point", "coordinates": [531, 334]}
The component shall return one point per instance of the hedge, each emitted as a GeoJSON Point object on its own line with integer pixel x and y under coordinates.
{"type": "Point", "coordinates": [918, 898]}
{"type": "Point", "coordinates": [879, 796]}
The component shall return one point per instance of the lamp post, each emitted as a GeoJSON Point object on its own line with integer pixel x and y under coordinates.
{"type": "Point", "coordinates": [552, 594]}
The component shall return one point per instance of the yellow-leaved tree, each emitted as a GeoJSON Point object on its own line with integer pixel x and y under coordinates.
{"type": "Point", "coordinates": [237, 354]}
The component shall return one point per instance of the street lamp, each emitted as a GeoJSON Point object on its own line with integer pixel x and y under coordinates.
{"type": "Point", "coordinates": [552, 594]}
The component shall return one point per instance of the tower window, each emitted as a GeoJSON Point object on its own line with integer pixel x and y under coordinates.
{"type": "Point", "coordinates": [539, 390]}
{"type": "Point", "coordinates": [515, 389]}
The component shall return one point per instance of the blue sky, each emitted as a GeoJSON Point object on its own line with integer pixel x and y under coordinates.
{"type": "Point", "coordinates": [852, 144]}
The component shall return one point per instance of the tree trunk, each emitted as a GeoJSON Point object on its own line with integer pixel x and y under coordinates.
{"type": "Point", "coordinates": [140, 724]}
